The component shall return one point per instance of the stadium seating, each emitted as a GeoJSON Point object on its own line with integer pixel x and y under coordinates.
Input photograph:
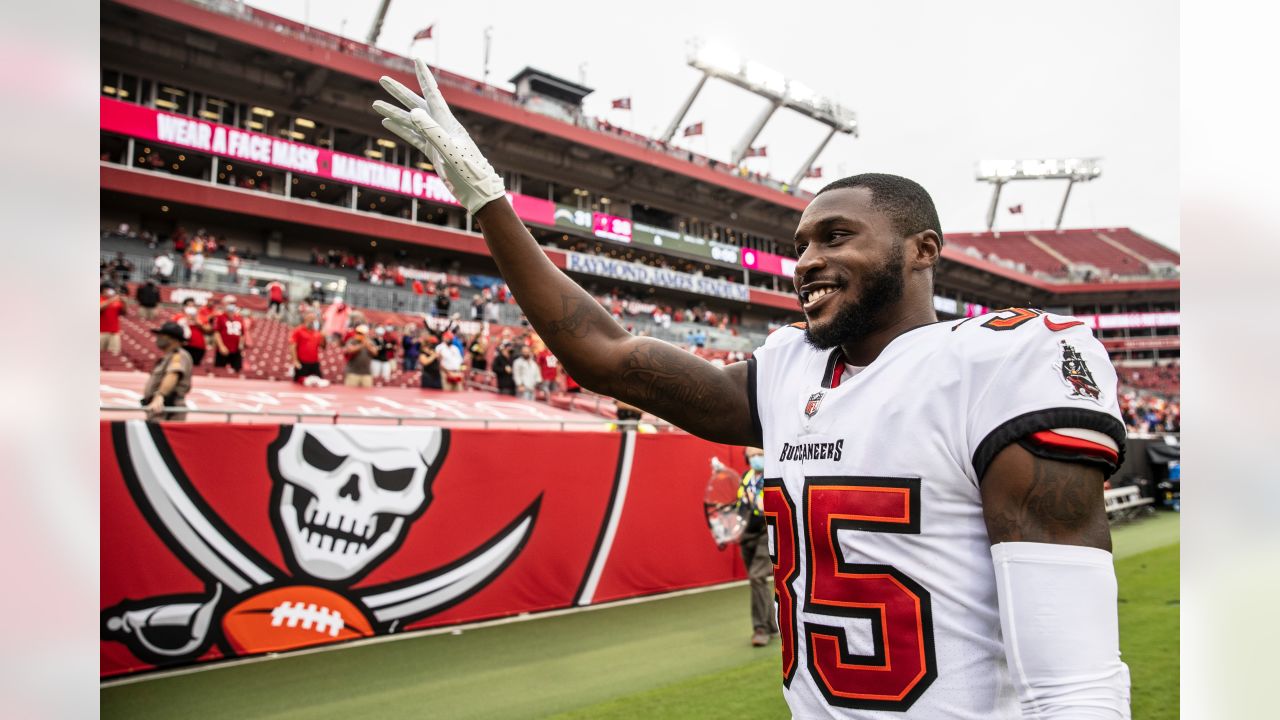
{"type": "Point", "coordinates": [1113, 251]}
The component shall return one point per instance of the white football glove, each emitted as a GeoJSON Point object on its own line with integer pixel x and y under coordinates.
{"type": "Point", "coordinates": [429, 126]}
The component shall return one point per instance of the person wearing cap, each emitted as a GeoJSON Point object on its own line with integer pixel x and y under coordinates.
{"type": "Point", "coordinates": [230, 335]}
{"type": "Point", "coordinates": [170, 379]}
{"type": "Point", "coordinates": [430, 361]}
{"type": "Point", "coordinates": [360, 351]}
{"type": "Point", "coordinates": [110, 307]}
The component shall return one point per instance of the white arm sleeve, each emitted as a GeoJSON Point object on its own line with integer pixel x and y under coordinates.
{"type": "Point", "coordinates": [1061, 632]}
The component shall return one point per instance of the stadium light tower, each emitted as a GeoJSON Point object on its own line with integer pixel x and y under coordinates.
{"type": "Point", "coordinates": [999, 172]}
{"type": "Point", "coordinates": [717, 62]}
{"type": "Point", "coordinates": [376, 29]}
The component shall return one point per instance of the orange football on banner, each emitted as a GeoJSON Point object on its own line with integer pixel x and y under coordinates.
{"type": "Point", "coordinates": [291, 617]}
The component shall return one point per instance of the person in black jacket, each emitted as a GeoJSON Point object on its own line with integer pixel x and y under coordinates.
{"type": "Point", "coordinates": [502, 365]}
{"type": "Point", "coordinates": [430, 363]}
{"type": "Point", "coordinates": [148, 296]}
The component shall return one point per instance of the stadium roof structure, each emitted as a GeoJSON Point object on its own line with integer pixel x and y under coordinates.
{"type": "Point", "coordinates": [544, 83]}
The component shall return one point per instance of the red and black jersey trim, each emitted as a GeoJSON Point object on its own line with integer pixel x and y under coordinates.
{"type": "Point", "coordinates": [1024, 429]}
{"type": "Point", "coordinates": [835, 369]}
{"type": "Point", "coordinates": [753, 404]}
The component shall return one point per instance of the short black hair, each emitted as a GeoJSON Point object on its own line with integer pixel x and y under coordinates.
{"type": "Point", "coordinates": [904, 200]}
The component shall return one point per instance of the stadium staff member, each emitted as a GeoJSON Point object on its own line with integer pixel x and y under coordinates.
{"type": "Point", "coordinates": [170, 379]}
{"type": "Point", "coordinates": [941, 480]}
{"type": "Point", "coordinates": [755, 549]}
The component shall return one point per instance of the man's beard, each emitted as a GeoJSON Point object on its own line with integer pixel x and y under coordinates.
{"type": "Point", "coordinates": [856, 320]}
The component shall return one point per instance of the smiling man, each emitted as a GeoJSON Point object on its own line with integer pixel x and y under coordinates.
{"type": "Point", "coordinates": [933, 491]}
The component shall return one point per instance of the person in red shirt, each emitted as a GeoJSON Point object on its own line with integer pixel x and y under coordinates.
{"type": "Point", "coordinates": [418, 289]}
{"type": "Point", "coordinates": [110, 307]}
{"type": "Point", "coordinates": [230, 335]}
{"type": "Point", "coordinates": [275, 297]}
{"type": "Point", "coordinates": [547, 365]}
{"type": "Point", "coordinates": [193, 329]}
{"type": "Point", "coordinates": [454, 293]}
{"type": "Point", "coordinates": [305, 343]}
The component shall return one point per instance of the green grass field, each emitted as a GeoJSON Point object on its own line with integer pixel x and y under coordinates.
{"type": "Point", "coordinates": [682, 657]}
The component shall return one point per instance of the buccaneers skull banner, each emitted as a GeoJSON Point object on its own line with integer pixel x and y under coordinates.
{"type": "Point", "coordinates": [221, 541]}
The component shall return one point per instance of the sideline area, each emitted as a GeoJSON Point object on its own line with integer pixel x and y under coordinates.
{"type": "Point", "coordinates": [685, 656]}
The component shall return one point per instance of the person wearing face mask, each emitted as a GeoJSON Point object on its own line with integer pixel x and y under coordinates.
{"type": "Point", "coordinates": [304, 348]}
{"type": "Point", "coordinates": [384, 359]}
{"type": "Point", "coordinates": [170, 379]}
{"type": "Point", "coordinates": [193, 330]}
{"type": "Point", "coordinates": [755, 550]}
{"type": "Point", "coordinates": [230, 335]}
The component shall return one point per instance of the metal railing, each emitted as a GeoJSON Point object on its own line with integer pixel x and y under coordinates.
{"type": "Point", "coordinates": [336, 417]}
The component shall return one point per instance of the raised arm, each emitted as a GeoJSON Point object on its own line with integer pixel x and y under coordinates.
{"type": "Point", "coordinates": [675, 385]}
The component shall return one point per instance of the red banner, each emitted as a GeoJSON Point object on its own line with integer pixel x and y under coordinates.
{"type": "Point", "coordinates": [223, 541]}
{"type": "Point", "coordinates": [225, 141]}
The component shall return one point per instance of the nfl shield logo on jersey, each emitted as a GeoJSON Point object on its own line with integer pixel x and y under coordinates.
{"type": "Point", "coordinates": [811, 407]}
{"type": "Point", "coordinates": [1077, 375]}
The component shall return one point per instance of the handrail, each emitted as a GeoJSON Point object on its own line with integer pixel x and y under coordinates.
{"type": "Point", "coordinates": [399, 419]}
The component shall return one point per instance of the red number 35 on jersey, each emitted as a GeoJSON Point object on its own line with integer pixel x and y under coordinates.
{"type": "Point", "coordinates": [902, 664]}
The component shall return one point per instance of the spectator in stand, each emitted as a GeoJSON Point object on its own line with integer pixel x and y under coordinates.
{"type": "Point", "coordinates": [148, 296]}
{"type": "Point", "coordinates": [305, 343]}
{"type": "Point", "coordinates": [360, 351]}
{"type": "Point", "coordinates": [317, 293]}
{"type": "Point", "coordinates": [170, 378]}
{"type": "Point", "coordinates": [162, 268]}
{"type": "Point", "coordinates": [418, 288]}
{"type": "Point", "coordinates": [454, 293]}
{"type": "Point", "coordinates": [527, 374]}
{"type": "Point", "coordinates": [384, 360]}
{"type": "Point", "coordinates": [275, 298]}
{"type": "Point", "coordinates": [193, 332]}
{"type": "Point", "coordinates": [121, 270]}
{"type": "Point", "coordinates": [110, 307]}
{"type": "Point", "coordinates": [451, 375]}
{"type": "Point", "coordinates": [477, 307]}
{"type": "Point", "coordinates": [195, 255]}
{"type": "Point", "coordinates": [479, 350]}
{"type": "Point", "coordinates": [230, 335]}
{"type": "Point", "coordinates": [336, 317]}
{"type": "Point", "coordinates": [430, 360]}
{"type": "Point", "coordinates": [442, 305]}
{"type": "Point", "coordinates": [504, 369]}
{"type": "Point", "coordinates": [412, 347]}
{"type": "Point", "coordinates": [233, 266]}
{"type": "Point", "coordinates": [547, 366]}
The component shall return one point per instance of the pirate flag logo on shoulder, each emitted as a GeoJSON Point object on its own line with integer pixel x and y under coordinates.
{"type": "Point", "coordinates": [1076, 373]}
{"type": "Point", "coordinates": [811, 407]}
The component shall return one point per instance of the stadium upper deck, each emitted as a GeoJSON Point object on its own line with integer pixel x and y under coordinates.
{"type": "Point", "coordinates": [622, 196]}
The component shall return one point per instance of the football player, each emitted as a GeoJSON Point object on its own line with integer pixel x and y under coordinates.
{"type": "Point", "coordinates": [933, 489]}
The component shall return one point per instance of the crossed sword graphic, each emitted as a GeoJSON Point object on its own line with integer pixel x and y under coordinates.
{"type": "Point", "coordinates": [211, 547]}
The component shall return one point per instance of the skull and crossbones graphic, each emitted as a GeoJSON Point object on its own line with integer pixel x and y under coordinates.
{"type": "Point", "coordinates": [343, 500]}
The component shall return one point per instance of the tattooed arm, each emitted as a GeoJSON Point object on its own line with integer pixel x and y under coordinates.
{"type": "Point", "coordinates": [675, 385]}
{"type": "Point", "coordinates": [1031, 499]}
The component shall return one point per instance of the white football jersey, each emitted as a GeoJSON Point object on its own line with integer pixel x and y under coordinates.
{"type": "Point", "coordinates": [886, 595]}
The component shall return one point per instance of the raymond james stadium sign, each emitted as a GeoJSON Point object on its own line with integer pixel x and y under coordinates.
{"type": "Point", "coordinates": [658, 277]}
